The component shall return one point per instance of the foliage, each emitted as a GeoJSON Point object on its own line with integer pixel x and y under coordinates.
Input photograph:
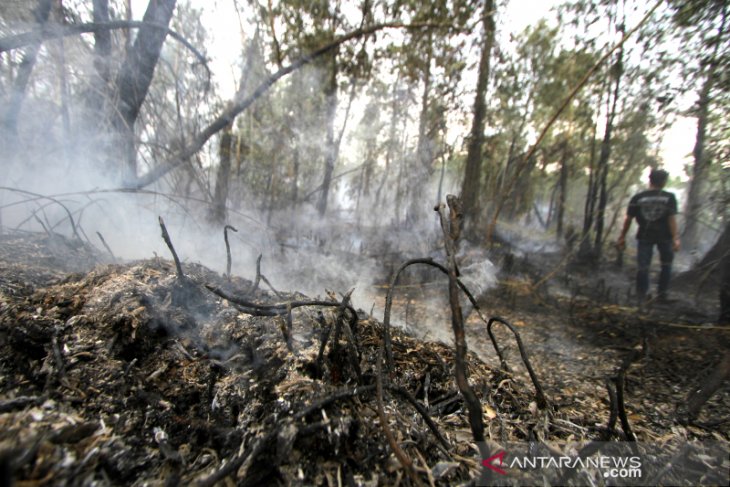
{"type": "Point", "coordinates": [374, 121]}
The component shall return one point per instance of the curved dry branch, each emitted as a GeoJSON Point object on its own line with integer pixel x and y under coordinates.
{"type": "Point", "coordinates": [240, 103]}
{"type": "Point", "coordinates": [278, 309]}
{"type": "Point", "coordinates": [542, 401]}
{"type": "Point", "coordinates": [40, 196]}
{"type": "Point", "coordinates": [389, 300]}
{"type": "Point", "coordinates": [228, 249]}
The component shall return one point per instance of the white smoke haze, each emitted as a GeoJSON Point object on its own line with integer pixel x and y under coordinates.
{"type": "Point", "coordinates": [357, 245]}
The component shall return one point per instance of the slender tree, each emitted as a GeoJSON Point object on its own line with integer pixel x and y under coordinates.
{"type": "Point", "coordinates": [471, 184]}
{"type": "Point", "coordinates": [706, 13]}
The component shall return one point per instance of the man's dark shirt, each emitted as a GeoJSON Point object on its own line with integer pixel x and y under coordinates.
{"type": "Point", "coordinates": [652, 209]}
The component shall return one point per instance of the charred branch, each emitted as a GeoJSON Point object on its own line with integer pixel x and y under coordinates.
{"type": "Point", "coordinates": [424, 414]}
{"type": "Point", "coordinates": [613, 405]}
{"type": "Point", "coordinates": [451, 228]}
{"type": "Point", "coordinates": [340, 325]}
{"type": "Point", "coordinates": [286, 308]}
{"type": "Point", "coordinates": [54, 200]}
{"type": "Point", "coordinates": [228, 250]}
{"type": "Point", "coordinates": [252, 452]}
{"type": "Point", "coordinates": [279, 308]}
{"type": "Point", "coordinates": [168, 241]}
{"type": "Point", "coordinates": [542, 401]}
{"type": "Point", "coordinates": [106, 246]}
{"type": "Point", "coordinates": [389, 301]}
{"type": "Point", "coordinates": [699, 396]}
{"type": "Point", "coordinates": [402, 457]}
{"type": "Point", "coordinates": [625, 425]}
{"type": "Point", "coordinates": [260, 277]}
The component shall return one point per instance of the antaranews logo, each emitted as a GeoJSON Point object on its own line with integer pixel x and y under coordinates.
{"type": "Point", "coordinates": [620, 463]}
{"type": "Point", "coordinates": [611, 466]}
{"type": "Point", "coordinates": [489, 462]}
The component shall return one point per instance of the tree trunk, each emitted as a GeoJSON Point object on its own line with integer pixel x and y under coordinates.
{"type": "Point", "coordinates": [602, 165]}
{"type": "Point", "coordinates": [470, 186]}
{"type": "Point", "coordinates": [330, 92]}
{"type": "Point", "coordinates": [700, 170]}
{"type": "Point", "coordinates": [133, 81]}
{"type": "Point", "coordinates": [724, 318]}
{"type": "Point", "coordinates": [701, 167]}
{"type": "Point", "coordinates": [424, 151]}
{"type": "Point", "coordinates": [102, 44]}
{"type": "Point", "coordinates": [563, 194]}
{"type": "Point", "coordinates": [584, 250]}
{"type": "Point", "coordinates": [220, 196]}
{"type": "Point", "coordinates": [390, 150]}
{"type": "Point", "coordinates": [18, 90]}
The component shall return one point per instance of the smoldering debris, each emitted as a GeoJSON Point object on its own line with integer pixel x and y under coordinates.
{"type": "Point", "coordinates": [125, 374]}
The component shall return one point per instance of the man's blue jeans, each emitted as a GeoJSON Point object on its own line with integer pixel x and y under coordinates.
{"type": "Point", "coordinates": [644, 254]}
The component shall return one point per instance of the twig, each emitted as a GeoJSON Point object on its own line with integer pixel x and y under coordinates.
{"type": "Point", "coordinates": [289, 327]}
{"type": "Point", "coordinates": [228, 250]}
{"type": "Point", "coordinates": [20, 402]}
{"type": "Point", "coordinates": [325, 338]}
{"type": "Point", "coordinates": [271, 286]}
{"type": "Point", "coordinates": [389, 300]}
{"type": "Point", "coordinates": [424, 414]}
{"type": "Point", "coordinates": [620, 382]}
{"type": "Point", "coordinates": [425, 469]}
{"type": "Point", "coordinates": [403, 459]}
{"type": "Point", "coordinates": [257, 279]}
{"type": "Point", "coordinates": [166, 238]}
{"type": "Point", "coordinates": [103, 242]}
{"type": "Point", "coordinates": [613, 405]}
{"type": "Point", "coordinates": [251, 453]}
{"type": "Point", "coordinates": [451, 228]}
{"type": "Point", "coordinates": [40, 196]}
{"type": "Point", "coordinates": [260, 277]}
{"type": "Point", "coordinates": [43, 225]}
{"type": "Point", "coordinates": [542, 401]}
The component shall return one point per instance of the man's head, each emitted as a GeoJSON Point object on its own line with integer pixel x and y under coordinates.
{"type": "Point", "coordinates": [658, 178]}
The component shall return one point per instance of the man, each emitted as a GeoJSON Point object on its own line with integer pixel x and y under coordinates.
{"type": "Point", "coordinates": [654, 211]}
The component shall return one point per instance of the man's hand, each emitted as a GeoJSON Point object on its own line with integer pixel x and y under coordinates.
{"type": "Point", "coordinates": [621, 243]}
{"type": "Point", "coordinates": [676, 244]}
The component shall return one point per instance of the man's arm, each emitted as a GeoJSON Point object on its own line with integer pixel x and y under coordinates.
{"type": "Point", "coordinates": [675, 233]}
{"type": "Point", "coordinates": [621, 242]}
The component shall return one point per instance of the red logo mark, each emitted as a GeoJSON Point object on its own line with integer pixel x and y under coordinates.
{"type": "Point", "coordinates": [489, 462]}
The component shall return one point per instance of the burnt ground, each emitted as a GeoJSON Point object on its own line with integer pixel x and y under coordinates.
{"type": "Point", "coordinates": [580, 326]}
{"type": "Point", "coordinates": [125, 374]}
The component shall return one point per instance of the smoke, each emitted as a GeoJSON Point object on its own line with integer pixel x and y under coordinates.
{"type": "Point", "coordinates": [58, 163]}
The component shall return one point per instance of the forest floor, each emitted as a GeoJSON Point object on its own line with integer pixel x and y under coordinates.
{"type": "Point", "coordinates": [581, 326]}
{"type": "Point", "coordinates": [127, 374]}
